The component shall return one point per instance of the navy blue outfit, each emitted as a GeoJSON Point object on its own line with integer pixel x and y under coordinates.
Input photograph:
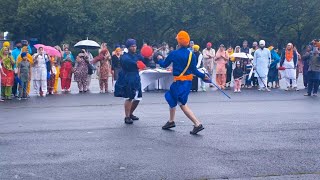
{"type": "Point", "coordinates": [129, 83]}
{"type": "Point", "coordinates": [179, 90]}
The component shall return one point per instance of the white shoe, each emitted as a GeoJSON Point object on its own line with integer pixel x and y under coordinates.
{"type": "Point", "coordinates": [287, 89]}
{"type": "Point", "coordinates": [296, 88]}
{"type": "Point", "coordinates": [239, 91]}
{"type": "Point", "coordinates": [259, 89]}
{"type": "Point", "coordinates": [268, 89]}
{"type": "Point", "coordinates": [235, 91]}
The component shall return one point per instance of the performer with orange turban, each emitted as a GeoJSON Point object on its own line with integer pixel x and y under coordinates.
{"type": "Point", "coordinates": [184, 66]}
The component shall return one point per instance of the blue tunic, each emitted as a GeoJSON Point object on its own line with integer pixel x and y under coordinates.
{"type": "Point", "coordinates": [129, 83]}
{"type": "Point", "coordinates": [179, 90]}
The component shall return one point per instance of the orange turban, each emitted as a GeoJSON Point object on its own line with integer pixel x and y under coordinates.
{"type": "Point", "coordinates": [183, 38]}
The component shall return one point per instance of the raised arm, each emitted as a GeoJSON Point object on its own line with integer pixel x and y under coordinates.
{"type": "Point", "coordinates": [165, 63]}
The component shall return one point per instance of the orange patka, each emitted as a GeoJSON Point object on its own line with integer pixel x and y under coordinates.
{"type": "Point", "coordinates": [183, 78]}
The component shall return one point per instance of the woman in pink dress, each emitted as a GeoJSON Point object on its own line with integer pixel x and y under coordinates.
{"type": "Point", "coordinates": [104, 69]}
{"type": "Point", "coordinates": [221, 60]}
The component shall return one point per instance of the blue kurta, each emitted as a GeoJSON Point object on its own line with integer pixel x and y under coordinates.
{"type": "Point", "coordinates": [129, 83]}
{"type": "Point", "coordinates": [179, 90]}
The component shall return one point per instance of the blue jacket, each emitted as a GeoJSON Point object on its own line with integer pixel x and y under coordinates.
{"type": "Point", "coordinates": [179, 59]}
{"type": "Point", "coordinates": [129, 62]}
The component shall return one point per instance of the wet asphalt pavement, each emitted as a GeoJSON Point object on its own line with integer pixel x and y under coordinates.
{"type": "Point", "coordinates": [255, 135]}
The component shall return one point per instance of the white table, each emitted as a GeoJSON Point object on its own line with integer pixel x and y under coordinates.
{"type": "Point", "coordinates": [159, 76]}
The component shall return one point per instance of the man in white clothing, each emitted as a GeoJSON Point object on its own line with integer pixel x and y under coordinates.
{"type": "Point", "coordinates": [289, 60]}
{"type": "Point", "coordinates": [208, 58]}
{"type": "Point", "coordinates": [261, 64]}
{"type": "Point", "coordinates": [40, 72]}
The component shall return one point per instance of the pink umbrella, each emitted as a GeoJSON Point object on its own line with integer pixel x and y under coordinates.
{"type": "Point", "coordinates": [52, 51]}
{"type": "Point", "coordinates": [49, 50]}
{"type": "Point", "coordinates": [37, 46]}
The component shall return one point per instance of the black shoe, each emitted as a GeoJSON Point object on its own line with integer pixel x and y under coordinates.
{"type": "Point", "coordinates": [197, 129]}
{"type": "Point", "coordinates": [127, 120]}
{"type": "Point", "coordinates": [169, 125]}
{"type": "Point", "coordinates": [134, 118]}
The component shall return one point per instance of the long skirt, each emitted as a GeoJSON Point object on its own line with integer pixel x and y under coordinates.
{"type": "Point", "coordinates": [6, 91]}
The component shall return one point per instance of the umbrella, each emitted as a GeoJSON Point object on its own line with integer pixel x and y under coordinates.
{"type": "Point", "coordinates": [87, 44]}
{"type": "Point", "coordinates": [242, 55]}
{"type": "Point", "coordinates": [37, 46]}
{"type": "Point", "coordinates": [51, 51]}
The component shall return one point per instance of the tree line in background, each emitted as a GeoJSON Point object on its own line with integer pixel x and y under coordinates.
{"type": "Point", "coordinates": [153, 21]}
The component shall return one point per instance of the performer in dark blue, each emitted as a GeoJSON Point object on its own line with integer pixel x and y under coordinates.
{"type": "Point", "coordinates": [128, 85]}
{"type": "Point", "coordinates": [184, 66]}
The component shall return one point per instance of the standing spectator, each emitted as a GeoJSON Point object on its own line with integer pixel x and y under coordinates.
{"type": "Point", "coordinates": [57, 64]}
{"type": "Point", "coordinates": [229, 66]}
{"type": "Point", "coordinates": [30, 59]}
{"type": "Point", "coordinates": [39, 73]}
{"type": "Point", "coordinates": [15, 54]}
{"type": "Point", "coordinates": [81, 71]}
{"type": "Point", "coordinates": [66, 71]}
{"type": "Point", "coordinates": [221, 60]}
{"type": "Point", "coordinates": [91, 68]}
{"type": "Point", "coordinates": [53, 74]}
{"type": "Point", "coordinates": [199, 59]}
{"type": "Point", "coordinates": [24, 74]}
{"type": "Point", "coordinates": [237, 75]}
{"type": "Point", "coordinates": [116, 65]}
{"type": "Point", "coordinates": [67, 54]}
{"type": "Point", "coordinates": [289, 60]}
{"type": "Point", "coordinates": [104, 70]}
{"type": "Point", "coordinates": [248, 67]}
{"type": "Point", "coordinates": [273, 70]}
{"type": "Point", "coordinates": [208, 58]}
{"type": "Point", "coordinates": [306, 58]}
{"type": "Point", "coordinates": [164, 51]}
{"type": "Point", "coordinates": [244, 49]}
{"type": "Point", "coordinates": [7, 80]}
{"type": "Point", "coordinates": [261, 64]}
{"type": "Point", "coordinates": [191, 46]}
{"type": "Point", "coordinates": [254, 48]}
{"type": "Point", "coordinates": [314, 73]}
{"type": "Point", "coordinates": [1, 74]}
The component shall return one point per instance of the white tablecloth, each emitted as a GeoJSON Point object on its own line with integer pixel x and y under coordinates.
{"type": "Point", "coordinates": [155, 76]}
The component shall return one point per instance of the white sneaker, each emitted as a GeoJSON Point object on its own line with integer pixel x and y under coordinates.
{"type": "Point", "coordinates": [235, 91]}
{"type": "Point", "coordinates": [296, 88]}
{"type": "Point", "coordinates": [286, 89]}
{"type": "Point", "coordinates": [239, 91]}
{"type": "Point", "coordinates": [268, 89]}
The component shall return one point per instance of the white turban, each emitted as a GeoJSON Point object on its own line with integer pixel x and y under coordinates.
{"type": "Point", "coordinates": [262, 43]}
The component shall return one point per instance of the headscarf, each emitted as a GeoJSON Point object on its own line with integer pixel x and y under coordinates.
{"type": "Point", "coordinates": [289, 53]}
{"type": "Point", "coordinates": [24, 49]}
{"type": "Point", "coordinates": [232, 59]}
{"type": "Point", "coordinates": [183, 38]}
{"type": "Point", "coordinates": [196, 47]}
{"type": "Point", "coordinates": [6, 44]}
{"type": "Point", "coordinates": [237, 47]}
{"type": "Point", "coordinates": [6, 59]}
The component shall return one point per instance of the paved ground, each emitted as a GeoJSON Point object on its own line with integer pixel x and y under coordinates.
{"type": "Point", "coordinates": [256, 135]}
